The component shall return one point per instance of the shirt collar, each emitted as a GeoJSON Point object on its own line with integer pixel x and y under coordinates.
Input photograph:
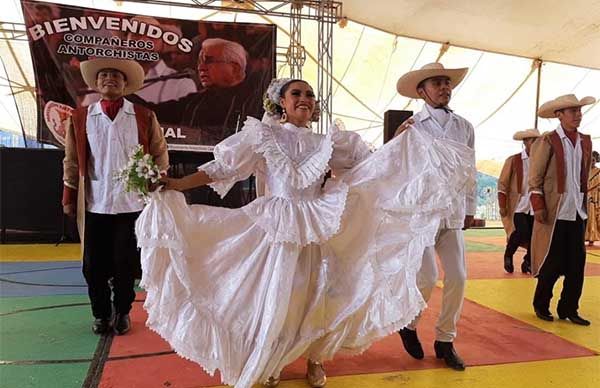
{"type": "Point", "coordinates": [96, 108]}
{"type": "Point", "coordinates": [426, 113]}
{"type": "Point", "coordinates": [524, 154]}
{"type": "Point", "coordinates": [561, 132]}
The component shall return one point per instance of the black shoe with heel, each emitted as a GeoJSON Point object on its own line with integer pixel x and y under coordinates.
{"type": "Point", "coordinates": [445, 350]}
{"type": "Point", "coordinates": [101, 326]}
{"type": "Point", "coordinates": [508, 264]}
{"type": "Point", "coordinates": [575, 318]}
{"type": "Point", "coordinates": [122, 324]}
{"type": "Point", "coordinates": [411, 343]}
{"type": "Point", "coordinates": [544, 315]}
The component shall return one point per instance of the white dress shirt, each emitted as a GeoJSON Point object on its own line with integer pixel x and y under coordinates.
{"type": "Point", "coordinates": [111, 143]}
{"type": "Point", "coordinates": [524, 206]}
{"type": "Point", "coordinates": [458, 129]}
{"type": "Point", "coordinates": [571, 202]}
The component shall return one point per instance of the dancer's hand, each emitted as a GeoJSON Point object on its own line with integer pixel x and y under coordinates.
{"type": "Point", "coordinates": [503, 212]}
{"type": "Point", "coordinates": [540, 216]}
{"type": "Point", "coordinates": [170, 183]}
{"type": "Point", "coordinates": [404, 126]}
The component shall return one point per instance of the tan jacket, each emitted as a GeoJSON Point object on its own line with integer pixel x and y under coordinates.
{"type": "Point", "coordinates": [547, 174]}
{"type": "Point", "coordinates": [510, 189]}
{"type": "Point", "coordinates": [75, 163]}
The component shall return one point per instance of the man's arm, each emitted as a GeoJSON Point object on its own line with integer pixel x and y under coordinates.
{"type": "Point", "coordinates": [157, 144]}
{"type": "Point", "coordinates": [504, 186]}
{"type": "Point", "coordinates": [541, 152]}
{"type": "Point", "coordinates": [471, 197]}
{"type": "Point", "coordinates": [70, 172]}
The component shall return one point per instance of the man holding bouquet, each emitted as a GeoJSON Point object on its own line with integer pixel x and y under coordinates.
{"type": "Point", "coordinates": [99, 140]}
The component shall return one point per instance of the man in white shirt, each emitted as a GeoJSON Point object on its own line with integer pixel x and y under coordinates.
{"type": "Point", "coordinates": [433, 83]}
{"type": "Point", "coordinates": [513, 200]}
{"type": "Point", "coordinates": [558, 177]}
{"type": "Point", "coordinates": [99, 140]}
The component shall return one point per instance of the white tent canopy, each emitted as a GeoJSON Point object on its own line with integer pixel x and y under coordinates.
{"type": "Point", "coordinates": [552, 30]}
{"type": "Point", "coordinates": [498, 95]}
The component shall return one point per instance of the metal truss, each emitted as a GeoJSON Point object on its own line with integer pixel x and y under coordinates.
{"type": "Point", "coordinates": [295, 54]}
{"type": "Point", "coordinates": [12, 31]}
{"type": "Point", "coordinates": [325, 72]}
{"type": "Point", "coordinates": [310, 11]}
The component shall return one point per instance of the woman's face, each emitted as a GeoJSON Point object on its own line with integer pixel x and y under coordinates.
{"type": "Point", "coordinates": [298, 102]}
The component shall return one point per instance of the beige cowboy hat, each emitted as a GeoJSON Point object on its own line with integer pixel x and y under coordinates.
{"type": "Point", "coordinates": [526, 134]}
{"type": "Point", "coordinates": [548, 109]}
{"type": "Point", "coordinates": [407, 84]}
{"type": "Point", "coordinates": [132, 70]}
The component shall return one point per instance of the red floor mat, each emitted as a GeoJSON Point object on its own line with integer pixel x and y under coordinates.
{"type": "Point", "coordinates": [490, 265]}
{"type": "Point", "coordinates": [485, 337]}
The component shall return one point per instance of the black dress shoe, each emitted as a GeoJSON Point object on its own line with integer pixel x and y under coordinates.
{"type": "Point", "coordinates": [544, 315]}
{"type": "Point", "coordinates": [411, 343]}
{"type": "Point", "coordinates": [576, 319]}
{"type": "Point", "coordinates": [101, 326]}
{"type": "Point", "coordinates": [446, 351]}
{"type": "Point", "coordinates": [122, 324]}
{"type": "Point", "coordinates": [508, 264]}
{"type": "Point", "coordinates": [525, 267]}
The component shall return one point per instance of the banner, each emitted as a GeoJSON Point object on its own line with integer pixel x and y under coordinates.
{"type": "Point", "coordinates": [202, 78]}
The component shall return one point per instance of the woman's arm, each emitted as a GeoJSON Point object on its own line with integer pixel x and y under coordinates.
{"type": "Point", "coordinates": [196, 179]}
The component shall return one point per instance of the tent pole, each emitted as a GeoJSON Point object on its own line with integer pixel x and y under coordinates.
{"type": "Point", "coordinates": [537, 92]}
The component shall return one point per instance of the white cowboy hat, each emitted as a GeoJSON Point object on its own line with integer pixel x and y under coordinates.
{"type": "Point", "coordinates": [526, 134]}
{"type": "Point", "coordinates": [407, 84]}
{"type": "Point", "coordinates": [132, 70]}
{"type": "Point", "coordinates": [548, 109]}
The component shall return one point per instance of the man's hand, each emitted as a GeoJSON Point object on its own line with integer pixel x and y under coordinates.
{"type": "Point", "coordinates": [540, 216]}
{"type": "Point", "coordinates": [70, 210]}
{"type": "Point", "coordinates": [404, 126]}
{"type": "Point", "coordinates": [468, 222]}
{"type": "Point", "coordinates": [503, 212]}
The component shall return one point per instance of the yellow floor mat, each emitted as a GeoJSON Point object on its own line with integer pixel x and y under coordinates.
{"type": "Point", "coordinates": [514, 298]}
{"type": "Point", "coordinates": [39, 252]}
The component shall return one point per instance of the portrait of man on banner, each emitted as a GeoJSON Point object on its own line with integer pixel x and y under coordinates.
{"type": "Point", "coordinates": [201, 78]}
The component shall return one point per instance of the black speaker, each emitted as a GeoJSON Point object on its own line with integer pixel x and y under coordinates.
{"type": "Point", "coordinates": [30, 194]}
{"type": "Point", "coordinates": [391, 120]}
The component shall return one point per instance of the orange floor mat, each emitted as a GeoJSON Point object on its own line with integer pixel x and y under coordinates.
{"type": "Point", "coordinates": [485, 337]}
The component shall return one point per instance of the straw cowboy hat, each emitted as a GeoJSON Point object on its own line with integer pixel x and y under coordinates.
{"type": "Point", "coordinates": [132, 70]}
{"type": "Point", "coordinates": [407, 84]}
{"type": "Point", "coordinates": [526, 134]}
{"type": "Point", "coordinates": [548, 109]}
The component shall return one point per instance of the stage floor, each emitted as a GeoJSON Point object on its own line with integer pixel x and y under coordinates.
{"type": "Point", "coordinates": [46, 340]}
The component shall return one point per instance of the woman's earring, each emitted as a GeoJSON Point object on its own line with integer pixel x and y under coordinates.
{"type": "Point", "coordinates": [283, 117]}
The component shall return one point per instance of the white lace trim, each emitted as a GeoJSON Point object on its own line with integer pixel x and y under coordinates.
{"type": "Point", "coordinates": [220, 185]}
{"type": "Point", "coordinates": [222, 176]}
{"type": "Point", "coordinates": [301, 222]}
{"type": "Point", "coordinates": [298, 175]}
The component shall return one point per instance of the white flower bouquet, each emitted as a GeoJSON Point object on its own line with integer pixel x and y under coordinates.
{"type": "Point", "coordinates": [139, 173]}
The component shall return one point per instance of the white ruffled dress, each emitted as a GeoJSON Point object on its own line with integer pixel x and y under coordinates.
{"type": "Point", "coordinates": [308, 269]}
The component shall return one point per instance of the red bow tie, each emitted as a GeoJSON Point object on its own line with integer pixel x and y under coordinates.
{"type": "Point", "coordinates": [111, 108]}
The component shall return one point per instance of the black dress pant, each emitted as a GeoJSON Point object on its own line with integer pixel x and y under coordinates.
{"type": "Point", "coordinates": [566, 257]}
{"type": "Point", "coordinates": [110, 251]}
{"type": "Point", "coordinates": [520, 236]}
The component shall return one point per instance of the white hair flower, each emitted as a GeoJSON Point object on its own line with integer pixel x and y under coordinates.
{"type": "Point", "coordinates": [273, 94]}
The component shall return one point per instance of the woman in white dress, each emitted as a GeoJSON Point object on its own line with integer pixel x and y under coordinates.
{"type": "Point", "coordinates": [307, 269]}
